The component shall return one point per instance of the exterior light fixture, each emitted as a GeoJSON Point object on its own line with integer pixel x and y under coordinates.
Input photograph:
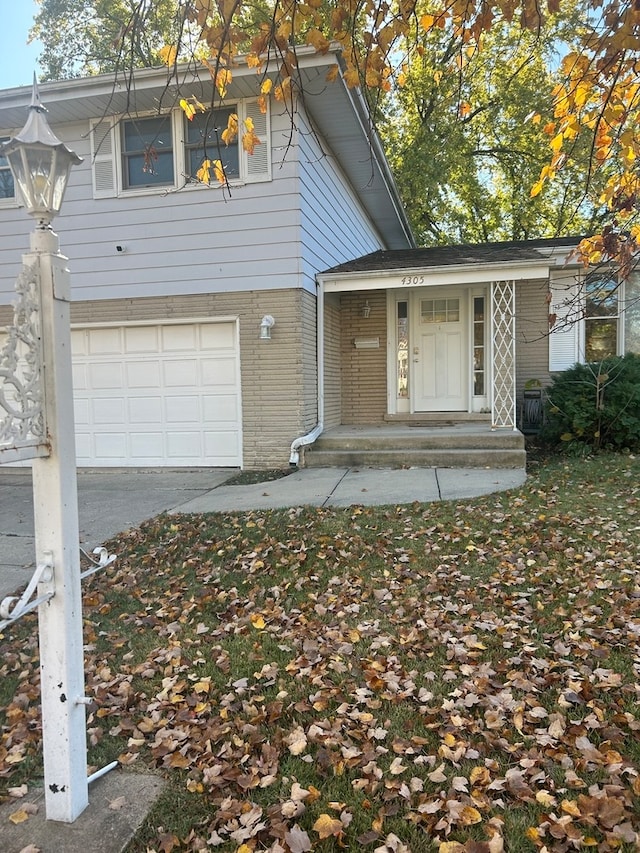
{"type": "Point", "coordinates": [40, 163]}
{"type": "Point", "coordinates": [265, 327]}
{"type": "Point", "coordinates": [366, 310]}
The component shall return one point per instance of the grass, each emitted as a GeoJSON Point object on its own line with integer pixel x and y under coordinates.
{"type": "Point", "coordinates": [459, 676]}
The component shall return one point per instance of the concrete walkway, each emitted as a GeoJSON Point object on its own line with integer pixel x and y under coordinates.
{"type": "Point", "coordinates": [112, 501]}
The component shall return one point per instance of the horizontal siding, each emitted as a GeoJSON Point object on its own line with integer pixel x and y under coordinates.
{"type": "Point", "coordinates": [194, 240]}
{"type": "Point", "coordinates": [364, 371]}
{"type": "Point", "coordinates": [334, 225]}
{"type": "Point", "coordinates": [532, 334]}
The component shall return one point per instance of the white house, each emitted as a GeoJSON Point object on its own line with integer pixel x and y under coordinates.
{"type": "Point", "coordinates": [171, 281]}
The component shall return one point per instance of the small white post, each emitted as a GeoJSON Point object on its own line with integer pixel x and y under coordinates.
{"type": "Point", "coordinates": [56, 531]}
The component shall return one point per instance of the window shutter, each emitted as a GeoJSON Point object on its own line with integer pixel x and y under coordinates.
{"type": "Point", "coordinates": [566, 332]}
{"type": "Point", "coordinates": [257, 166]}
{"type": "Point", "coordinates": [103, 159]}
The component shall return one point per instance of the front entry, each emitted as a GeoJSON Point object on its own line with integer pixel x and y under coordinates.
{"type": "Point", "coordinates": [439, 351]}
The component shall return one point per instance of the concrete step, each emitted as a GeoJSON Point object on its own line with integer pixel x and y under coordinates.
{"type": "Point", "coordinates": [422, 439]}
{"type": "Point", "coordinates": [499, 457]}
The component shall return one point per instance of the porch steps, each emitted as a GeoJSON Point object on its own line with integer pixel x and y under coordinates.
{"type": "Point", "coordinates": [459, 445]}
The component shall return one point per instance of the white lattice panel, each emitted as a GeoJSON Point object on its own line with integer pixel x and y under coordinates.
{"type": "Point", "coordinates": [504, 353]}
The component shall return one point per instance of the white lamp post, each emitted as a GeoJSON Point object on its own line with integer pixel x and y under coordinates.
{"type": "Point", "coordinates": [40, 164]}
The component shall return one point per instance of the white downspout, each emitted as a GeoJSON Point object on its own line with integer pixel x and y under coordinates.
{"type": "Point", "coordinates": [310, 437]}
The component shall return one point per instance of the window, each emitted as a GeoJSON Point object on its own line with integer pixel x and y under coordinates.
{"type": "Point", "coordinates": [479, 366]}
{"type": "Point", "coordinates": [7, 189]}
{"type": "Point", "coordinates": [203, 141]}
{"type": "Point", "coordinates": [402, 336]}
{"type": "Point", "coordinates": [601, 317]}
{"type": "Point", "coordinates": [154, 153]}
{"type": "Point", "coordinates": [147, 152]}
{"type": "Point", "coordinates": [439, 311]}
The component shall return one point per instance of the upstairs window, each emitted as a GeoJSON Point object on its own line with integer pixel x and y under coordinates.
{"type": "Point", "coordinates": [147, 152]}
{"type": "Point", "coordinates": [203, 141]}
{"type": "Point", "coordinates": [155, 153]}
{"type": "Point", "coordinates": [601, 317]}
{"type": "Point", "coordinates": [7, 189]}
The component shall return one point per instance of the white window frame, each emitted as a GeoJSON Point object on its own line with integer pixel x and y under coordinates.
{"type": "Point", "coordinates": [14, 200]}
{"type": "Point", "coordinates": [567, 340]}
{"type": "Point", "coordinates": [108, 165]}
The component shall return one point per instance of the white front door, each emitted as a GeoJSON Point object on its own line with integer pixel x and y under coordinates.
{"type": "Point", "coordinates": [439, 351]}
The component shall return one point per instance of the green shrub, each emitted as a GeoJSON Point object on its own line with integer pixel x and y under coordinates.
{"type": "Point", "coordinates": [595, 406]}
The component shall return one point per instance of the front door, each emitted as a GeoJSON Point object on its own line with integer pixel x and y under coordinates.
{"type": "Point", "coordinates": [440, 381]}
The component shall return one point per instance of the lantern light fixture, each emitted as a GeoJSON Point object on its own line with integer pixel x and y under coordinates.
{"type": "Point", "coordinates": [266, 325]}
{"type": "Point", "coordinates": [40, 163]}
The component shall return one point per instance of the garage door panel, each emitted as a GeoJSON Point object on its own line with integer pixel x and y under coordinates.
{"type": "Point", "coordinates": [143, 374]}
{"type": "Point", "coordinates": [219, 371]}
{"type": "Point", "coordinates": [170, 396]}
{"type": "Point", "coordinates": [184, 445]}
{"type": "Point", "coordinates": [219, 336]}
{"type": "Point", "coordinates": [141, 339]}
{"type": "Point", "coordinates": [108, 411]}
{"type": "Point", "coordinates": [110, 445]}
{"type": "Point", "coordinates": [179, 338]}
{"type": "Point", "coordinates": [182, 410]}
{"type": "Point", "coordinates": [105, 375]}
{"type": "Point", "coordinates": [105, 341]}
{"type": "Point", "coordinates": [221, 444]}
{"type": "Point", "coordinates": [145, 410]}
{"type": "Point", "coordinates": [147, 445]}
{"type": "Point", "coordinates": [222, 408]}
{"type": "Point", "coordinates": [178, 373]}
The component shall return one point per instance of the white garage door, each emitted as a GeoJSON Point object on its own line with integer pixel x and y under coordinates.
{"type": "Point", "coordinates": [149, 395]}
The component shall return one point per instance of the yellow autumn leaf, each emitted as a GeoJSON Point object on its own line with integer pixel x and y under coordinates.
{"type": "Point", "coordinates": [450, 847]}
{"type": "Point", "coordinates": [266, 87]}
{"type": "Point", "coordinates": [570, 807]}
{"type": "Point", "coordinates": [469, 816]}
{"type": "Point", "coordinates": [19, 817]}
{"type": "Point", "coordinates": [317, 40]}
{"type": "Point", "coordinates": [257, 620]}
{"type": "Point", "coordinates": [545, 799]}
{"type": "Point", "coordinates": [480, 776]}
{"type": "Point", "coordinates": [327, 826]}
{"type": "Point", "coordinates": [332, 74]}
{"type": "Point", "coordinates": [244, 848]}
{"type": "Point", "coordinates": [188, 109]}
{"type": "Point", "coordinates": [168, 54]}
{"type": "Point", "coordinates": [203, 686]}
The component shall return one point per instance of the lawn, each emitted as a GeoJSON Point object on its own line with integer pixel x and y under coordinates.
{"type": "Point", "coordinates": [448, 677]}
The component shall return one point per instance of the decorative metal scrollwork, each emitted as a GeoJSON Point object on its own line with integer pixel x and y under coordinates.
{"type": "Point", "coordinates": [13, 607]}
{"type": "Point", "coordinates": [22, 410]}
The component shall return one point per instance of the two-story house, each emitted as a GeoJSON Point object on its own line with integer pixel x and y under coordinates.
{"type": "Point", "coordinates": [233, 326]}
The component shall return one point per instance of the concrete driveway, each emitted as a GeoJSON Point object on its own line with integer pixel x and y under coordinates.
{"type": "Point", "coordinates": [109, 502]}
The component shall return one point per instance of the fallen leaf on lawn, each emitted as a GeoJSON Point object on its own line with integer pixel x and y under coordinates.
{"type": "Point", "coordinates": [297, 741]}
{"type": "Point", "coordinates": [31, 848]}
{"type": "Point", "coordinates": [18, 792]}
{"type": "Point", "coordinates": [297, 840]}
{"type": "Point", "coordinates": [258, 621]}
{"type": "Point", "coordinates": [327, 826]}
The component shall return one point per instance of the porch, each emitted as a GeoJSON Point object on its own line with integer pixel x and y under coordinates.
{"type": "Point", "coordinates": [424, 441]}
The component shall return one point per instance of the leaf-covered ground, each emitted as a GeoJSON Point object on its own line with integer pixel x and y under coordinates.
{"type": "Point", "coordinates": [444, 677]}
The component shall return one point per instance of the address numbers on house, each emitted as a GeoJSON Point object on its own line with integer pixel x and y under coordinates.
{"type": "Point", "coordinates": [412, 280]}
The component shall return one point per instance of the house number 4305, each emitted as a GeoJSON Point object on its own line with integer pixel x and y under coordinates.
{"type": "Point", "coordinates": [412, 280]}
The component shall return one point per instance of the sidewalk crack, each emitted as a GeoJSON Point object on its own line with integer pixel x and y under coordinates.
{"type": "Point", "coordinates": [333, 490]}
{"type": "Point", "coordinates": [438, 484]}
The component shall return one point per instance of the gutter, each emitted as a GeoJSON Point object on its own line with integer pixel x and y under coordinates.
{"type": "Point", "coordinates": [310, 437]}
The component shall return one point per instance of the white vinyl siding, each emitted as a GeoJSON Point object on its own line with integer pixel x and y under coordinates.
{"type": "Point", "coordinates": [108, 164]}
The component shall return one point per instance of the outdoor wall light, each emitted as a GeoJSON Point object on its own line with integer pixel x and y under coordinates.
{"type": "Point", "coordinates": [366, 310]}
{"type": "Point", "coordinates": [40, 163]}
{"type": "Point", "coordinates": [265, 327]}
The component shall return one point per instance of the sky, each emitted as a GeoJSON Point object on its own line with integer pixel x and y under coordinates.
{"type": "Point", "coordinates": [18, 60]}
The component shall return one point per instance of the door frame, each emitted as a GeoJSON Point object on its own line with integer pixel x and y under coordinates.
{"type": "Point", "coordinates": [397, 405]}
